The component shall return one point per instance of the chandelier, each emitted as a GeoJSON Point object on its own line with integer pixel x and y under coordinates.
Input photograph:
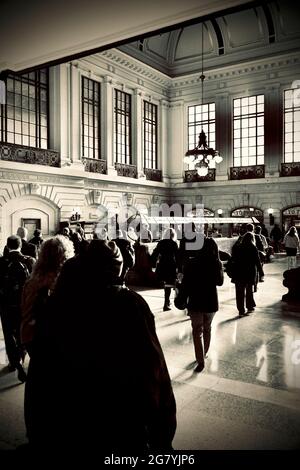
{"type": "Point", "coordinates": [203, 157]}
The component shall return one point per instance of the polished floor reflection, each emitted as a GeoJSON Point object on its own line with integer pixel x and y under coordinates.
{"type": "Point", "coordinates": [247, 397]}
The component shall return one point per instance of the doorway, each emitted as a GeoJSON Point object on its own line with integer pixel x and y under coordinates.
{"type": "Point", "coordinates": [31, 225]}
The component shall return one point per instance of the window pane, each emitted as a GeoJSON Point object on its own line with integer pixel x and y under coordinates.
{"type": "Point", "coordinates": [251, 122]}
{"type": "Point", "coordinates": [26, 96]}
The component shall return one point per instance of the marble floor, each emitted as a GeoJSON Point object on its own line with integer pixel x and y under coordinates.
{"type": "Point", "coordinates": [247, 397]}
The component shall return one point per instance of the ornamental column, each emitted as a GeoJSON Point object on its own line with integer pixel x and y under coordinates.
{"type": "Point", "coordinates": [107, 128]}
{"type": "Point", "coordinates": [137, 134]}
{"type": "Point", "coordinates": [175, 142]}
{"type": "Point", "coordinates": [75, 134]}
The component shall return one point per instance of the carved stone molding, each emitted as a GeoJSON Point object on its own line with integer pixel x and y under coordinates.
{"type": "Point", "coordinates": [96, 196]}
{"type": "Point", "coordinates": [152, 174]}
{"type": "Point", "coordinates": [191, 176]}
{"type": "Point", "coordinates": [290, 169]}
{"type": "Point", "coordinates": [21, 154]}
{"type": "Point", "coordinates": [247, 172]}
{"type": "Point", "coordinates": [94, 165]}
{"type": "Point", "coordinates": [34, 188]}
{"type": "Point", "coordinates": [130, 171]}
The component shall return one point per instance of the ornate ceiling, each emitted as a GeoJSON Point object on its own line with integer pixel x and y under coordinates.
{"type": "Point", "coordinates": [256, 32]}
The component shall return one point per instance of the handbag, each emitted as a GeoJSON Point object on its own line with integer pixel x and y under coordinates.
{"type": "Point", "coordinates": [219, 273]}
{"type": "Point", "coordinates": [181, 298]}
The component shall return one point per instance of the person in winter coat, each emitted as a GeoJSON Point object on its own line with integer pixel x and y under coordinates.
{"type": "Point", "coordinates": [14, 270]}
{"type": "Point", "coordinates": [127, 252]}
{"type": "Point", "coordinates": [165, 257]}
{"type": "Point", "coordinates": [53, 253]}
{"type": "Point", "coordinates": [246, 271]}
{"type": "Point", "coordinates": [97, 380]}
{"type": "Point", "coordinates": [291, 244]}
{"type": "Point", "coordinates": [37, 239]}
{"type": "Point", "coordinates": [202, 273]}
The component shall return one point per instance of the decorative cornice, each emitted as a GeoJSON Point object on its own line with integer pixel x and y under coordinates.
{"type": "Point", "coordinates": [136, 67]}
{"type": "Point", "coordinates": [240, 70]}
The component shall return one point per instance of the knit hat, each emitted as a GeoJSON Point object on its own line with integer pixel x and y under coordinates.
{"type": "Point", "coordinates": [104, 257]}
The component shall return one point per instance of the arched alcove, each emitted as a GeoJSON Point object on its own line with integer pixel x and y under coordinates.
{"type": "Point", "coordinates": [21, 210]}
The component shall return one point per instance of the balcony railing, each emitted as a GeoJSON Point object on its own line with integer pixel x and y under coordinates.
{"type": "Point", "coordinates": [130, 171]}
{"type": "Point", "coordinates": [191, 176]}
{"type": "Point", "coordinates": [95, 165]}
{"type": "Point", "coordinates": [152, 174]}
{"type": "Point", "coordinates": [21, 154]}
{"type": "Point", "coordinates": [247, 172]}
{"type": "Point", "coordinates": [290, 169]}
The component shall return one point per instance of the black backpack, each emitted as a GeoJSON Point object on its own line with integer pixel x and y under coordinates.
{"type": "Point", "coordinates": [14, 279]}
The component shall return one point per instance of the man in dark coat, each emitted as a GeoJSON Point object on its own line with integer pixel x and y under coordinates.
{"type": "Point", "coordinates": [247, 270]}
{"type": "Point", "coordinates": [127, 252]}
{"type": "Point", "coordinates": [37, 239]}
{"type": "Point", "coordinates": [28, 249]}
{"type": "Point", "coordinates": [97, 379]}
{"type": "Point", "coordinates": [14, 270]}
{"type": "Point", "coordinates": [202, 273]}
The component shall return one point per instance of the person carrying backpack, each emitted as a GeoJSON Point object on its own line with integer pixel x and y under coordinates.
{"type": "Point", "coordinates": [14, 270]}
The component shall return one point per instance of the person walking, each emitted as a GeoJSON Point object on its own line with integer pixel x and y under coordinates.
{"type": "Point", "coordinates": [37, 239]}
{"type": "Point", "coordinates": [291, 244]}
{"type": "Point", "coordinates": [247, 270]}
{"type": "Point", "coordinates": [127, 252]}
{"type": "Point", "coordinates": [165, 258]}
{"type": "Point", "coordinates": [27, 249]}
{"type": "Point", "coordinates": [14, 270]}
{"type": "Point", "coordinates": [40, 284]}
{"type": "Point", "coordinates": [97, 379]}
{"type": "Point", "coordinates": [202, 274]}
{"type": "Point", "coordinates": [276, 237]}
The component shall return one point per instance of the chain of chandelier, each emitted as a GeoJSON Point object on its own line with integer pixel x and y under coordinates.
{"type": "Point", "coordinates": [202, 157]}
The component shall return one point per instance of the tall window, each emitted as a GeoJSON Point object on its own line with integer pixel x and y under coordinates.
{"type": "Point", "coordinates": [202, 116]}
{"type": "Point", "coordinates": [24, 117]}
{"type": "Point", "coordinates": [90, 118]}
{"type": "Point", "coordinates": [122, 135]}
{"type": "Point", "coordinates": [248, 131]}
{"type": "Point", "coordinates": [150, 135]}
{"type": "Point", "coordinates": [291, 126]}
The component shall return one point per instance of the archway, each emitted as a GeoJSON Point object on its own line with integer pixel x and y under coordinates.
{"type": "Point", "coordinates": [29, 210]}
{"type": "Point", "coordinates": [291, 216]}
{"type": "Point", "coordinates": [245, 211]}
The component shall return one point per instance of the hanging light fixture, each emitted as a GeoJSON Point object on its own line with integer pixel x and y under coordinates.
{"type": "Point", "coordinates": [203, 157]}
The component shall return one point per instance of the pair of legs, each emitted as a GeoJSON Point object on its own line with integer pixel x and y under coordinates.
{"type": "Point", "coordinates": [10, 319]}
{"type": "Point", "coordinates": [244, 291]}
{"type": "Point", "coordinates": [201, 330]}
{"type": "Point", "coordinates": [292, 262]}
{"type": "Point", "coordinates": [167, 304]}
{"type": "Point", "coordinates": [292, 257]}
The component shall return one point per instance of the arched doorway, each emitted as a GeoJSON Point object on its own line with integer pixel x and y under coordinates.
{"type": "Point", "coordinates": [245, 212]}
{"type": "Point", "coordinates": [31, 211]}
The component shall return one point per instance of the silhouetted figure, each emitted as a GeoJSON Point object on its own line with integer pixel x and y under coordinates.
{"type": "Point", "coordinates": [202, 273]}
{"type": "Point", "coordinates": [97, 379]}
{"type": "Point", "coordinates": [291, 280]}
{"type": "Point", "coordinates": [127, 252]}
{"type": "Point", "coordinates": [291, 245]}
{"type": "Point", "coordinates": [14, 270]}
{"type": "Point", "coordinates": [28, 249]}
{"type": "Point", "coordinates": [37, 239]}
{"type": "Point", "coordinates": [53, 253]}
{"type": "Point", "coordinates": [165, 258]}
{"type": "Point", "coordinates": [245, 272]}
{"type": "Point", "coordinates": [276, 237]}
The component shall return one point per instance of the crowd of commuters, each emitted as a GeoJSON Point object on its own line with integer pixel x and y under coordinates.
{"type": "Point", "coordinates": [66, 291]}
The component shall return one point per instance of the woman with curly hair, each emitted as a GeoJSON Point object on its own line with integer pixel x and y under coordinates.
{"type": "Point", "coordinates": [39, 286]}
